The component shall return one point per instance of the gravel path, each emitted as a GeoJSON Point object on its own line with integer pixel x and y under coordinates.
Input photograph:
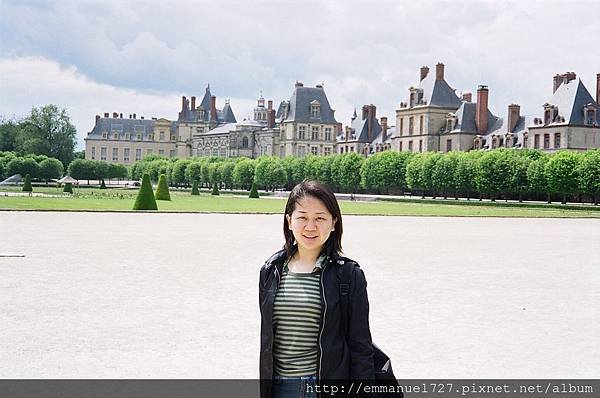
{"type": "Point", "coordinates": [113, 295]}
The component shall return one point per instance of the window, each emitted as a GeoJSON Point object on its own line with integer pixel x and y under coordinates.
{"type": "Point", "coordinates": [301, 132]}
{"type": "Point", "coordinates": [148, 151]}
{"type": "Point", "coordinates": [105, 135]}
{"type": "Point", "coordinates": [401, 125]}
{"type": "Point", "coordinates": [314, 135]}
{"type": "Point", "coordinates": [556, 140]}
{"type": "Point", "coordinates": [546, 141]}
{"type": "Point", "coordinates": [103, 153]}
{"type": "Point", "coordinates": [411, 125]}
{"type": "Point", "coordinates": [115, 155]}
{"type": "Point", "coordinates": [351, 149]}
{"type": "Point", "coordinates": [161, 136]}
{"type": "Point", "coordinates": [313, 150]}
{"type": "Point", "coordinates": [448, 145]}
{"type": "Point", "coordinates": [138, 154]}
{"type": "Point", "coordinates": [547, 118]}
{"type": "Point", "coordinates": [245, 142]}
{"type": "Point", "coordinates": [400, 148]}
{"type": "Point", "coordinates": [151, 137]}
{"type": "Point", "coordinates": [421, 124]}
{"type": "Point", "coordinates": [501, 142]}
{"type": "Point", "coordinates": [301, 151]}
{"type": "Point", "coordinates": [93, 152]}
{"type": "Point", "coordinates": [172, 137]}
{"type": "Point", "coordinates": [420, 145]}
{"type": "Point", "coordinates": [281, 151]}
{"type": "Point", "coordinates": [127, 136]}
{"type": "Point", "coordinates": [315, 109]}
{"type": "Point", "coordinates": [327, 151]}
{"type": "Point", "coordinates": [138, 137]}
{"type": "Point", "coordinates": [126, 154]}
{"type": "Point", "coordinates": [328, 134]}
{"type": "Point", "coordinates": [172, 153]}
{"type": "Point", "coordinates": [161, 152]}
{"type": "Point", "coordinates": [536, 141]}
{"type": "Point", "coordinates": [524, 140]}
{"type": "Point", "coordinates": [115, 136]}
{"type": "Point", "coordinates": [341, 149]}
{"type": "Point", "coordinates": [410, 146]}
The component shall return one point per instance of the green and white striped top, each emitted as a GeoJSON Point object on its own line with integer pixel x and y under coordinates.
{"type": "Point", "coordinates": [296, 318]}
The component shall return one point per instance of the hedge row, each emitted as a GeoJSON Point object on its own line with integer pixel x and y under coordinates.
{"type": "Point", "coordinates": [39, 167]}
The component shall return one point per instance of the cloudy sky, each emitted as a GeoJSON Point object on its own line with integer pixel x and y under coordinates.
{"type": "Point", "coordinates": [92, 57]}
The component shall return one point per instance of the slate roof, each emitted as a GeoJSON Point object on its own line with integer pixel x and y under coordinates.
{"type": "Point", "coordinates": [388, 140]}
{"type": "Point", "coordinates": [570, 99]}
{"type": "Point", "coordinates": [361, 129]}
{"type": "Point", "coordinates": [122, 126]}
{"type": "Point", "coordinates": [465, 119]}
{"type": "Point", "coordinates": [521, 128]}
{"type": "Point", "coordinates": [191, 115]}
{"type": "Point", "coordinates": [438, 93]}
{"type": "Point", "coordinates": [300, 106]}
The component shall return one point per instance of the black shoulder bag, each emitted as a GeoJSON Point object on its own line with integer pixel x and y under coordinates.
{"type": "Point", "coordinates": [384, 375]}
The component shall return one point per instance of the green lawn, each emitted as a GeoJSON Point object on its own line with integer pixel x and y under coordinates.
{"type": "Point", "coordinates": [122, 200]}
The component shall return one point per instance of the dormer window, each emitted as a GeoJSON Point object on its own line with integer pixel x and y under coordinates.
{"type": "Point", "coordinates": [550, 113]}
{"type": "Point", "coordinates": [315, 109]}
{"type": "Point", "coordinates": [590, 115]}
{"type": "Point", "coordinates": [105, 135]}
{"type": "Point", "coordinates": [450, 122]}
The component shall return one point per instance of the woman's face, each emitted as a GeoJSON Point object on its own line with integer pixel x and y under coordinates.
{"type": "Point", "coordinates": [311, 223]}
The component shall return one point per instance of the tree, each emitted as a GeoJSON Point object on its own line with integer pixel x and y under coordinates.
{"type": "Point", "coordinates": [347, 172]}
{"type": "Point", "coordinates": [294, 168]}
{"type": "Point", "coordinates": [430, 160]}
{"type": "Point", "coordinates": [193, 172]}
{"type": "Point", "coordinates": [536, 177]}
{"type": "Point", "coordinates": [270, 173]}
{"type": "Point", "coordinates": [384, 171]}
{"type": "Point", "coordinates": [116, 170]}
{"type": "Point", "coordinates": [464, 174]}
{"type": "Point", "coordinates": [51, 168]}
{"type": "Point", "coordinates": [492, 173]}
{"type": "Point", "coordinates": [23, 166]}
{"type": "Point", "coordinates": [8, 135]}
{"type": "Point", "coordinates": [517, 179]}
{"type": "Point", "coordinates": [99, 169]}
{"type": "Point", "coordinates": [589, 174]}
{"type": "Point", "coordinates": [162, 190]}
{"type": "Point", "coordinates": [48, 131]}
{"type": "Point", "coordinates": [27, 184]}
{"type": "Point", "coordinates": [102, 184]}
{"type": "Point", "coordinates": [254, 191]}
{"type": "Point", "coordinates": [243, 173]}
{"type": "Point", "coordinates": [145, 199]}
{"type": "Point", "coordinates": [178, 171]}
{"type": "Point", "coordinates": [414, 174]}
{"type": "Point", "coordinates": [215, 190]}
{"type": "Point", "coordinates": [443, 173]}
{"type": "Point", "coordinates": [226, 172]}
{"type": "Point", "coordinates": [195, 190]}
{"type": "Point", "coordinates": [83, 169]}
{"type": "Point", "coordinates": [562, 173]}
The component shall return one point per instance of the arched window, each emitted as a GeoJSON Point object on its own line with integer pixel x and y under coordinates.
{"type": "Point", "coordinates": [245, 142]}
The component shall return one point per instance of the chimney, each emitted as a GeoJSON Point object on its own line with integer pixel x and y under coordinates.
{"type": "Point", "coordinates": [120, 116]}
{"type": "Point", "coordinates": [384, 128]}
{"type": "Point", "coordinates": [481, 111]}
{"type": "Point", "coordinates": [439, 71]}
{"type": "Point", "coordinates": [115, 115]}
{"type": "Point", "coordinates": [183, 101]}
{"type": "Point", "coordinates": [213, 108]}
{"type": "Point", "coordinates": [105, 114]}
{"type": "Point", "coordinates": [270, 104]}
{"type": "Point", "coordinates": [598, 88]}
{"type": "Point", "coordinates": [557, 81]}
{"type": "Point", "coordinates": [130, 115]}
{"type": "Point", "coordinates": [364, 112]}
{"type": "Point", "coordinates": [319, 86]}
{"type": "Point", "coordinates": [193, 103]}
{"type": "Point", "coordinates": [270, 115]}
{"type": "Point", "coordinates": [514, 112]}
{"type": "Point", "coordinates": [424, 72]}
{"type": "Point", "coordinates": [97, 118]}
{"type": "Point", "coordinates": [141, 117]}
{"type": "Point", "coordinates": [568, 76]}
{"type": "Point", "coordinates": [299, 84]}
{"type": "Point", "coordinates": [134, 115]}
{"type": "Point", "coordinates": [468, 97]}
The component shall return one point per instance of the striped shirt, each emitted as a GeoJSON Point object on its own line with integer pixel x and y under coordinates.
{"type": "Point", "coordinates": [296, 319]}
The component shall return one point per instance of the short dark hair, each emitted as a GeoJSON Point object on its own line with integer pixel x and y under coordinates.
{"type": "Point", "coordinates": [324, 194]}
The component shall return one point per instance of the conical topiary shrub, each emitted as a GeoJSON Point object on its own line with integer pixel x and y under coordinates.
{"type": "Point", "coordinates": [102, 184]}
{"type": "Point", "coordinates": [145, 199]}
{"type": "Point", "coordinates": [215, 190]}
{"type": "Point", "coordinates": [162, 190]}
{"type": "Point", "coordinates": [68, 187]}
{"type": "Point", "coordinates": [254, 191]}
{"type": "Point", "coordinates": [27, 184]}
{"type": "Point", "coordinates": [195, 188]}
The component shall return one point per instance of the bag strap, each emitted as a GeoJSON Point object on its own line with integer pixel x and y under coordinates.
{"type": "Point", "coordinates": [345, 285]}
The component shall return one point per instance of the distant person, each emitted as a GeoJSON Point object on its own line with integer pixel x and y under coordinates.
{"type": "Point", "coordinates": [302, 339]}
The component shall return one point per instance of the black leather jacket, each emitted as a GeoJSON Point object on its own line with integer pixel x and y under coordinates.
{"type": "Point", "coordinates": [337, 358]}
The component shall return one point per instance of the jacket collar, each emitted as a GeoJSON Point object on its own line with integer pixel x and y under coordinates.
{"type": "Point", "coordinates": [279, 258]}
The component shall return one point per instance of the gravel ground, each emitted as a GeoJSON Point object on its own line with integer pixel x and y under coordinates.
{"type": "Point", "coordinates": [113, 295]}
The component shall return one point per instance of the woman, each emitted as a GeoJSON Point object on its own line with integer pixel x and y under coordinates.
{"type": "Point", "coordinates": [302, 336]}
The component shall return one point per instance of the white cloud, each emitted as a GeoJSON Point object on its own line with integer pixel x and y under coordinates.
{"type": "Point", "coordinates": [35, 81]}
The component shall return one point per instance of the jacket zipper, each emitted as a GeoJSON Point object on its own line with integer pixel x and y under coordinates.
{"type": "Point", "coordinates": [322, 323]}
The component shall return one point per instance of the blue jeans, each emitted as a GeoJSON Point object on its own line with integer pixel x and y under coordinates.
{"type": "Point", "coordinates": [294, 387]}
